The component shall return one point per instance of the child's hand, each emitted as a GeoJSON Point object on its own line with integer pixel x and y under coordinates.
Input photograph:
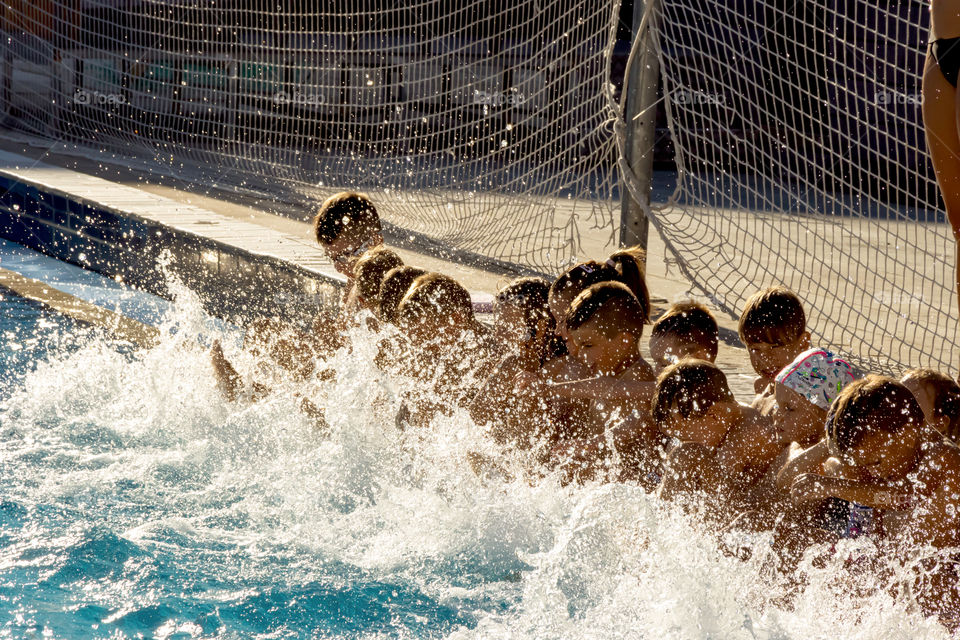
{"type": "Point", "coordinates": [761, 386]}
{"type": "Point", "coordinates": [808, 487]}
{"type": "Point", "coordinates": [527, 381]}
{"type": "Point", "coordinates": [578, 461]}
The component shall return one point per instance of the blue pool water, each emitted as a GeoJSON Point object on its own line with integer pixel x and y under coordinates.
{"type": "Point", "coordinates": [27, 333]}
{"type": "Point", "coordinates": [136, 503]}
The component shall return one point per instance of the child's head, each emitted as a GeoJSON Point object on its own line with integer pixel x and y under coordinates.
{"type": "Point", "coordinates": [773, 328]}
{"type": "Point", "coordinates": [346, 226]}
{"type": "Point", "coordinates": [520, 313]}
{"type": "Point", "coordinates": [572, 283]}
{"type": "Point", "coordinates": [369, 272]}
{"type": "Point", "coordinates": [805, 389]}
{"type": "Point", "coordinates": [686, 330]}
{"type": "Point", "coordinates": [630, 264]}
{"type": "Point", "coordinates": [874, 424]}
{"type": "Point", "coordinates": [693, 402]}
{"type": "Point", "coordinates": [939, 397]}
{"type": "Point", "coordinates": [605, 323]}
{"type": "Point", "coordinates": [393, 287]}
{"type": "Point", "coordinates": [436, 310]}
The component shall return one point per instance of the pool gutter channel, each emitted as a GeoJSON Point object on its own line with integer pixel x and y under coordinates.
{"type": "Point", "coordinates": [238, 270]}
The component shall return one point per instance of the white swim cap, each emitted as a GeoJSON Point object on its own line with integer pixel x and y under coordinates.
{"type": "Point", "coordinates": [818, 375]}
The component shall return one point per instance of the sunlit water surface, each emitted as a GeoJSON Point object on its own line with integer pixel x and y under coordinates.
{"type": "Point", "coordinates": [136, 502]}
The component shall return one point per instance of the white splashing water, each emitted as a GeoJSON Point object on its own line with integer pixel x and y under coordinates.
{"type": "Point", "coordinates": [231, 520]}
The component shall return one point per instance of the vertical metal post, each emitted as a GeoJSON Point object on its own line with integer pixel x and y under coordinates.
{"type": "Point", "coordinates": [641, 120]}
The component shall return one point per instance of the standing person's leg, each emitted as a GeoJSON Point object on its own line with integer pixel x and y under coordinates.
{"type": "Point", "coordinates": [941, 118]}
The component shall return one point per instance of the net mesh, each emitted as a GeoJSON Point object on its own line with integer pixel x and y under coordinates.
{"type": "Point", "coordinates": [483, 126]}
{"type": "Point", "coordinates": [802, 161]}
{"type": "Point", "coordinates": [487, 127]}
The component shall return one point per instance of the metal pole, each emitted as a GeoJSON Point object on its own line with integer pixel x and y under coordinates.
{"type": "Point", "coordinates": [641, 120]}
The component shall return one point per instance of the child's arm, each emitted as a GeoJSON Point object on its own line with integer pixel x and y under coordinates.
{"type": "Point", "coordinates": [810, 487]}
{"type": "Point", "coordinates": [488, 399]}
{"type": "Point", "coordinates": [689, 467]}
{"type": "Point", "coordinates": [228, 380]}
{"type": "Point", "coordinates": [801, 461]}
{"type": "Point", "coordinates": [748, 451]}
{"type": "Point", "coordinates": [604, 388]}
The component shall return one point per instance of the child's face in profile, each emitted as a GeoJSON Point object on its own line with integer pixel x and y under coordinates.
{"type": "Point", "coordinates": [885, 456]}
{"type": "Point", "coordinates": [603, 354]}
{"type": "Point", "coordinates": [670, 348]}
{"type": "Point", "coordinates": [768, 359]}
{"type": "Point", "coordinates": [708, 428]}
{"type": "Point", "coordinates": [796, 419]}
{"type": "Point", "coordinates": [510, 330]}
{"type": "Point", "coordinates": [347, 250]}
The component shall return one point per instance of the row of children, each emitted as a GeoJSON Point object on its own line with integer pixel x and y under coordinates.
{"type": "Point", "coordinates": [819, 453]}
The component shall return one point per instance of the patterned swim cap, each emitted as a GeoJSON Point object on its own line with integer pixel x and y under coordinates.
{"type": "Point", "coordinates": [818, 376]}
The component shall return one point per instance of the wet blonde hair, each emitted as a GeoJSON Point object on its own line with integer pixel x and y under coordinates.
{"type": "Point", "coordinates": [434, 295]}
{"type": "Point", "coordinates": [631, 267]}
{"type": "Point", "coordinates": [370, 270]}
{"type": "Point", "coordinates": [393, 287]}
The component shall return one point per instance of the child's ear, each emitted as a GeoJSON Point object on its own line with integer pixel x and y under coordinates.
{"type": "Point", "coordinates": [626, 337]}
{"type": "Point", "coordinates": [805, 340]}
{"type": "Point", "coordinates": [701, 354]}
{"type": "Point", "coordinates": [941, 424]}
{"type": "Point", "coordinates": [542, 325]}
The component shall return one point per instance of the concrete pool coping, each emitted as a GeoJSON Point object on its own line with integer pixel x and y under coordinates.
{"type": "Point", "coordinates": [122, 232]}
{"type": "Point", "coordinates": [239, 260]}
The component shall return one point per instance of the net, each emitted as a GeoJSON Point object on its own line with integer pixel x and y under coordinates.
{"type": "Point", "coordinates": [483, 127]}
{"type": "Point", "coordinates": [802, 161]}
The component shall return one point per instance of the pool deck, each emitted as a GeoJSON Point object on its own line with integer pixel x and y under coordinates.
{"type": "Point", "coordinates": [227, 235]}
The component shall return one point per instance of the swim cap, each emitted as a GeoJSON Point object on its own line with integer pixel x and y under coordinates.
{"type": "Point", "coordinates": [818, 376]}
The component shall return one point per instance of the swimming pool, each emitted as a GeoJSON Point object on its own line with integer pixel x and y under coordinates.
{"type": "Point", "coordinates": [136, 503]}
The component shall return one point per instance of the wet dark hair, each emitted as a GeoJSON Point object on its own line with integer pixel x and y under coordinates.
{"type": "Point", "coordinates": [530, 296]}
{"type": "Point", "coordinates": [869, 405]}
{"type": "Point", "coordinates": [393, 287]}
{"type": "Point", "coordinates": [772, 316]}
{"type": "Point", "coordinates": [690, 387]}
{"type": "Point", "coordinates": [343, 211]}
{"type": "Point", "coordinates": [580, 276]}
{"type": "Point", "coordinates": [370, 270]}
{"type": "Point", "coordinates": [691, 322]}
{"type": "Point", "coordinates": [611, 305]}
{"type": "Point", "coordinates": [946, 397]}
{"type": "Point", "coordinates": [630, 264]}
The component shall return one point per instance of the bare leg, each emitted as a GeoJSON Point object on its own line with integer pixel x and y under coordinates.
{"type": "Point", "coordinates": [941, 119]}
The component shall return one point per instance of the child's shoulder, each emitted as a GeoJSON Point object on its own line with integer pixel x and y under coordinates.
{"type": "Point", "coordinates": [754, 418]}
{"type": "Point", "coordinates": [639, 371]}
{"type": "Point", "coordinates": [941, 458]}
{"type": "Point", "coordinates": [755, 427]}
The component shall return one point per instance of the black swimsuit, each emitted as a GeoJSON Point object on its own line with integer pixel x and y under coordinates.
{"type": "Point", "coordinates": [946, 51]}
